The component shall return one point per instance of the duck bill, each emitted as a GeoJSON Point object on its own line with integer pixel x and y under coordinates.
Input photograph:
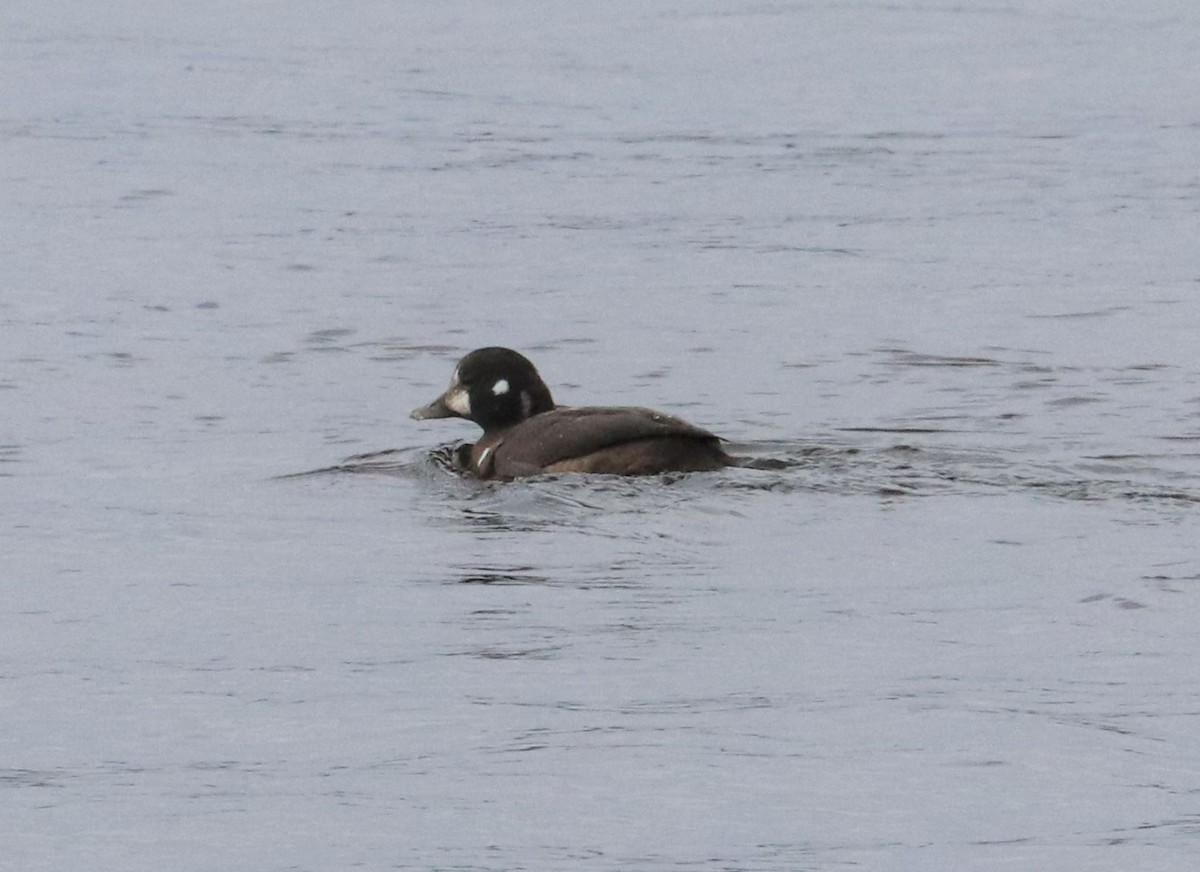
{"type": "Point", "coordinates": [436, 409]}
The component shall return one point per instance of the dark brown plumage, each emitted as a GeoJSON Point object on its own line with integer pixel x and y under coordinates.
{"type": "Point", "coordinates": [525, 433]}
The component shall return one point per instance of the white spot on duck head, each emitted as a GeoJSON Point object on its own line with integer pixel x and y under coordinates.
{"type": "Point", "coordinates": [458, 401]}
{"type": "Point", "coordinates": [500, 388]}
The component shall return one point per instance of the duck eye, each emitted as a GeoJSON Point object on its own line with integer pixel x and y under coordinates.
{"type": "Point", "coordinates": [500, 388]}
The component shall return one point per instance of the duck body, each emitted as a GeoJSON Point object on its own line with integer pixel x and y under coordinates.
{"type": "Point", "coordinates": [525, 433]}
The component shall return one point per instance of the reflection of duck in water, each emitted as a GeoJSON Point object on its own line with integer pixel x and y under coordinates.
{"type": "Point", "coordinates": [524, 433]}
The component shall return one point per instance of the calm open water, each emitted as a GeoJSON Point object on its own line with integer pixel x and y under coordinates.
{"type": "Point", "coordinates": [931, 268]}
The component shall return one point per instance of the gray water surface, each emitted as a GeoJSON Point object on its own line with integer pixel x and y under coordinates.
{"type": "Point", "coordinates": [931, 270]}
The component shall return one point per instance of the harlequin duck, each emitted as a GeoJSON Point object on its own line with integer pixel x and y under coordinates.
{"type": "Point", "coordinates": [525, 433]}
